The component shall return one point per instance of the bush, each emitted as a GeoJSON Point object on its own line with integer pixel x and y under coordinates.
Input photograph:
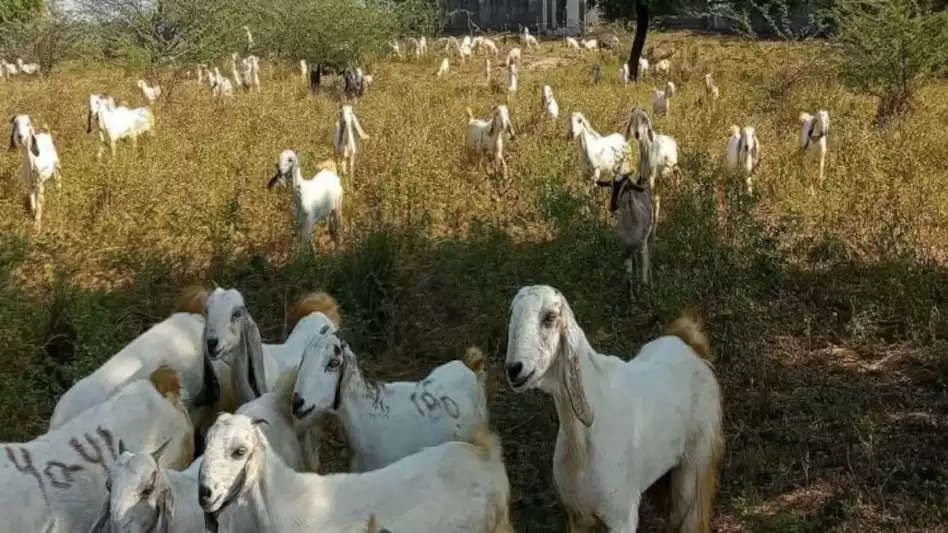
{"type": "Point", "coordinates": [890, 48]}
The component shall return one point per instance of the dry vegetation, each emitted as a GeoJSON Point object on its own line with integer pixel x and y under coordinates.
{"type": "Point", "coordinates": [828, 313]}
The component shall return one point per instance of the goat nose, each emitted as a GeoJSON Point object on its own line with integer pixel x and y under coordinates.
{"type": "Point", "coordinates": [212, 346]}
{"type": "Point", "coordinates": [513, 370]}
{"type": "Point", "coordinates": [204, 494]}
{"type": "Point", "coordinates": [297, 402]}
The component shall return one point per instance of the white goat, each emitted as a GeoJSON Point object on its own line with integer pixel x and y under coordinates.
{"type": "Point", "coordinates": [513, 77]}
{"type": "Point", "coordinates": [150, 93]}
{"type": "Point", "coordinates": [444, 68]}
{"type": "Point", "coordinates": [40, 162]}
{"type": "Point", "coordinates": [467, 478]}
{"type": "Point", "coordinates": [11, 69]}
{"type": "Point", "coordinates": [174, 342]}
{"type": "Point", "coordinates": [234, 73]}
{"type": "Point", "coordinates": [54, 483]}
{"type": "Point", "coordinates": [396, 49]}
{"type": "Point", "coordinates": [643, 68]}
{"type": "Point", "coordinates": [661, 101]}
{"type": "Point", "coordinates": [117, 123]}
{"type": "Point", "coordinates": [612, 444]}
{"type": "Point", "coordinates": [658, 156]}
{"type": "Point", "coordinates": [344, 140]}
{"type": "Point", "coordinates": [143, 496]}
{"type": "Point", "coordinates": [624, 74]}
{"type": "Point", "coordinates": [313, 199]}
{"type": "Point", "coordinates": [528, 40]}
{"type": "Point", "coordinates": [27, 68]}
{"type": "Point", "coordinates": [486, 44]}
{"type": "Point", "coordinates": [304, 72]}
{"type": "Point", "coordinates": [249, 37]}
{"type": "Point", "coordinates": [487, 136]}
{"type": "Point", "coordinates": [599, 154]}
{"type": "Point", "coordinates": [549, 104]}
{"type": "Point", "coordinates": [221, 85]}
{"type": "Point", "coordinates": [813, 131]}
{"type": "Point", "coordinates": [250, 73]}
{"type": "Point", "coordinates": [513, 56]}
{"type": "Point", "coordinates": [384, 422]}
{"type": "Point", "coordinates": [591, 44]}
{"type": "Point", "coordinates": [711, 92]}
{"type": "Point", "coordinates": [571, 43]}
{"type": "Point", "coordinates": [662, 67]}
{"type": "Point", "coordinates": [743, 154]}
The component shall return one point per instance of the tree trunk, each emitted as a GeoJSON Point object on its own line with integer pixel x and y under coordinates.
{"type": "Point", "coordinates": [641, 28]}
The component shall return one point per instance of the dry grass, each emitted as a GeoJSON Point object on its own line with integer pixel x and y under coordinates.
{"type": "Point", "coordinates": [827, 313]}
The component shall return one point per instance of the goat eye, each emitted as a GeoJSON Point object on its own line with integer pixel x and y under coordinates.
{"type": "Point", "coordinates": [333, 364]}
{"type": "Point", "coordinates": [108, 484]}
{"type": "Point", "coordinates": [146, 492]}
{"type": "Point", "coordinates": [237, 314]}
{"type": "Point", "coordinates": [549, 319]}
{"type": "Point", "coordinates": [240, 452]}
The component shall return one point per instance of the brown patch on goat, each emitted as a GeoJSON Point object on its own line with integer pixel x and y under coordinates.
{"type": "Point", "coordinates": [192, 300]}
{"type": "Point", "coordinates": [313, 302]}
{"type": "Point", "coordinates": [689, 327]}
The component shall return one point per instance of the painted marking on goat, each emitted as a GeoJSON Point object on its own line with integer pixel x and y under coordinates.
{"type": "Point", "coordinates": [450, 406]}
{"type": "Point", "coordinates": [65, 472]}
{"type": "Point", "coordinates": [430, 401]}
{"type": "Point", "coordinates": [414, 400]}
{"type": "Point", "coordinates": [109, 440]}
{"type": "Point", "coordinates": [27, 467]}
{"type": "Point", "coordinates": [96, 458]}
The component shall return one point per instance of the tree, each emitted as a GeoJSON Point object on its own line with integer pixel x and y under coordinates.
{"type": "Point", "coordinates": [19, 10]}
{"type": "Point", "coordinates": [889, 49]}
{"type": "Point", "coordinates": [47, 37]}
{"type": "Point", "coordinates": [641, 11]}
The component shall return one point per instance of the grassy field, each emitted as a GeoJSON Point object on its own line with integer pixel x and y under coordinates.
{"type": "Point", "coordinates": [828, 312]}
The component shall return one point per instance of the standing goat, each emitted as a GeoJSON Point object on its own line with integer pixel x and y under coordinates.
{"type": "Point", "coordinates": [221, 85]}
{"type": "Point", "coordinates": [661, 101]}
{"type": "Point", "coordinates": [304, 71]}
{"type": "Point", "coordinates": [150, 93]}
{"type": "Point", "coordinates": [528, 40]}
{"type": "Point", "coordinates": [599, 154]}
{"type": "Point", "coordinates": [344, 140]}
{"type": "Point", "coordinates": [632, 204]}
{"type": "Point", "coordinates": [513, 77]}
{"type": "Point", "coordinates": [743, 154]}
{"type": "Point", "coordinates": [513, 56]}
{"type": "Point", "coordinates": [40, 162]}
{"type": "Point", "coordinates": [487, 136]}
{"type": "Point", "coordinates": [28, 68]}
{"type": "Point", "coordinates": [466, 480]}
{"type": "Point", "coordinates": [313, 200]}
{"type": "Point", "coordinates": [813, 131]}
{"type": "Point", "coordinates": [624, 74]}
{"type": "Point", "coordinates": [250, 73]}
{"type": "Point", "coordinates": [443, 68]}
{"type": "Point", "coordinates": [711, 92]}
{"type": "Point", "coordinates": [548, 102]}
{"type": "Point", "coordinates": [643, 68]}
{"type": "Point", "coordinates": [117, 123]}
{"type": "Point", "coordinates": [613, 445]}
{"type": "Point", "coordinates": [658, 154]}
{"type": "Point", "coordinates": [384, 422]}
{"type": "Point", "coordinates": [570, 43]}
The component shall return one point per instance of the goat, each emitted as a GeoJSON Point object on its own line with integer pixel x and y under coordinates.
{"type": "Point", "coordinates": [313, 199]}
{"type": "Point", "coordinates": [591, 44]}
{"type": "Point", "coordinates": [234, 73]}
{"type": "Point", "coordinates": [384, 422]}
{"type": "Point", "coordinates": [548, 102]}
{"type": "Point", "coordinates": [528, 40]}
{"type": "Point", "coordinates": [599, 154]}
{"type": "Point", "coordinates": [396, 49]}
{"type": "Point", "coordinates": [711, 92]}
{"type": "Point", "coordinates": [150, 93]}
{"type": "Point", "coordinates": [344, 140]}
{"type": "Point", "coordinates": [466, 477]}
{"type": "Point", "coordinates": [249, 37]}
{"type": "Point", "coordinates": [353, 84]}
{"type": "Point", "coordinates": [27, 68]}
{"type": "Point", "coordinates": [443, 68]}
{"type": "Point", "coordinates": [10, 69]}
{"type": "Point", "coordinates": [512, 77]}
{"type": "Point", "coordinates": [662, 67]}
{"type": "Point", "coordinates": [117, 123]}
{"type": "Point", "coordinates": [658, 154]}
{"type": "Point", "coordinates": [487, 136]}
{"type": "Point", "coordinates": [199, 72]}
{"type": "Point", "coordinates": [624, 74]}
{"type": "Point", "coordinates": [632, 204]}
{"type": "Point", "coordinates": [67, 494]}
{"type": "Point", "coordinates": [250, 73]}
{"type": "Point", "coordinates": [483, 43]}
{"type": "Point", "coordinates": [143, 496]}
{"type": "Point", "coordinates": [315, 77]}
{"type": "Point", "coordinates": [813, 131]}
{"type": "Point", "coordinates": [304, 71]}
{"type": "Point", "coordinates": [513, 56]}
{"type": "Point", "coordinates": [571, 43]}
{"type": "Point", "coordinates": [661, 101]}
{"type": "Point", "coordinates": [612, 445]}
{"type": "Point", "coordinates": [40, 162]}
{"type": "Point", "coordinates": [221, 85]}
{"type": "Point", "coordinates": [743, 153]}
{"type": "Point", "coordinates": [643, 68]}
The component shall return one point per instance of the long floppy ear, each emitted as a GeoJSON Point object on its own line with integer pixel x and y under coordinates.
{"type": "Point", "coordinates": [343, 378]}
{"type": "Point", "coordinates": [210, 386]}
{"type": "Point", "coordinates": [34, 147]}
{"type": "Point", "coordinates": [572, 374]}
{"type": "Point", "coordinates": [12, 132]}
{"type": "Point", "coordinates": [493, 122]}
{"type": "Point", "coordinates": [253, 347]}
{"type": "Point", "coordinates": [165, 510]}
{"type": "Point", "coordinates": [122, 448]}
{"type": "Point", "coordinates": [102, 524]}
{"type": "Point", "coordinates": [342, 129]}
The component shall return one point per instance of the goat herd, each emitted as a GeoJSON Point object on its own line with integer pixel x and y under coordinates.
{"type": "Point", "coordinates": [138, 445]}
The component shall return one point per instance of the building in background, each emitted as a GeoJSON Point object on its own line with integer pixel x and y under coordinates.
{"type": "Point", "coordinates": [562, 17]}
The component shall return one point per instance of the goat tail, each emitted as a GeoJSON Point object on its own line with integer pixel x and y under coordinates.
{"type": "Point", "coordinates": [708, 479]}
{"type": "Point", "coordinates": [314, 302]}
{"type": "Point", "coordinates": [470, 114]}
{"type": "Point", "coordinates": [474, 359]}
{"type": "Point", "coordinates": [167, 383]}
{"type": "Point", "coordinates": [487, 444]}
{"type": "Point", "coordinates": [192, 300]}
{"type": "Point", "coordinates": [690, 328]}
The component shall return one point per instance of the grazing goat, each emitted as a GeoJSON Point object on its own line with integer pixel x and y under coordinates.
{"type": "Point", "coordinates": [513, 77]}
{"type": "Point", "coordinates": [711, 92]}
{"type": "Point", "coordinates": [614, 444]}
{"type": "Point", "coordinates": [658, 155]}
{"type": "Point", "coordinates": [344, 139]}
{"type": "Point", "coordinates": [467, 478]}
{"type": "Point", "coordinates": [662, 67]}
{"type": "Point", "coordinates": [40, 162]}
{"type": "Point", "coordinates": [571, 43]}
{"type": "Point", "coordinates": [528, 40]}
{"type": "Point", "coordinates": [54, 482]}
{"type": "Point", "coordinates": [661, 101]}
{"type": "Point", "coordinates": [313, 199]}
{"type": "Point", "coordinates": [487, 136]}
{"type": "Point", "coordinates": [632, 204]}
{"type": "Point", "coordinates": [150, 93]}
{"type": "Point", "coordinates": [813, 131]}
{"type": "Point", "coordinates": [174, 342]}
{"type": "Point", "coordinates": [591, 44]}
{"type": "Point", "coordinates": [484, 43]}
{"type": "Point", "coordinates": [384, 422]}
{"type": "Point", "coordinates": [743, 154]}
{"type": "Point", "coordinates": [143, 496]}
{"type": "Point", "coordinates": [27, 68]}
{"type": "Point", "coordinates": [443, 68]}
{"type": "Point", "coordinates": [117, 123]}
{"type": "Point", "coordinates": [513, 56]}
{"type": "Point", "coordinates": [548, 102]}
{"type": "Point", "coordinates": [599, 154]}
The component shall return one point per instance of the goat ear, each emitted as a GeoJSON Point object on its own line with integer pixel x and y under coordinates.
{"type": "Point", "coordinates": [122, 448]}
{"type": "Point", "coordinates": [156, 455]}
{"type": "Point", "coordinates": [34, 148]}
{"type": "Point", "coordinates": [102, 524]}
{"type": "Point", "coordinates": [260, 422]}
{"type": "Point", "coordinates": [12, 132]}
{"type": "Point", "coordinates": [165, 511]}
{"type": "Point", "coordinates": [253, 347]}
{"type": "Point", "coordinates": [572, 374]}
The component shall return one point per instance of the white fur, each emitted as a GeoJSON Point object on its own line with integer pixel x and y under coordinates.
{"type": "Point", "coordinates": [487, 136]}
{"type": "Point", "coordinates": [444, 68]}
{"type": "Point", "coordinates": [624, 74]}
{"type": "Point", "coordinates": [623, 424]}
{"type": "Point", "coordinates": [599, 154]}
{"type": "Point", "coordinates": [590, 44]}
{"type": "Point", "coordinates": [313, 199]}
{"type": "Point", "coordinates": [344, 140]}
{"type": "Point", "coordinates": [151, 93]}
{"type": "Point", "coordinates": [513, 56]}
{"type": "Point", "coordinates": [528, 40]}
{"type": "Point", "coordinates": [662, 67]}
{"type": "Point", "coordinates": [136, 416]}
{"type": "Point", "coordinates": [814, 130]}
{"type": "Point", "coordinates": [464, 487]}
{"type": "Point", "coordinates": [27, 68]}
{"type": "Point", "coordinates": [571, 43]}
{"type": "Point", "coordinates": [743, 153]}
{"type": "Point", "coordinates": [384, 422]}
{"type": "Point", "coordinates": [550, 106]}
{"type": "Point", "coordinates": [117, 123]}
{"type": "Point", "coordinates": [221, 86]}
{"type": "Point", "coordinates": [658, 154]}
{"type": "Point", "coordinates": [643, 68]}
{"type": "Point", "coordinates": [486, 44]}
{"type": "Point", "coordinates": [661, 101]}
{"type": "Point", "coordinates": [711, 92]}
{"type": "Point", "coordinates": [40, 162]}
{"type": "Point", "coordinates": [513, 77]}
{"type": "Point", "coordinates": [304, 72]}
